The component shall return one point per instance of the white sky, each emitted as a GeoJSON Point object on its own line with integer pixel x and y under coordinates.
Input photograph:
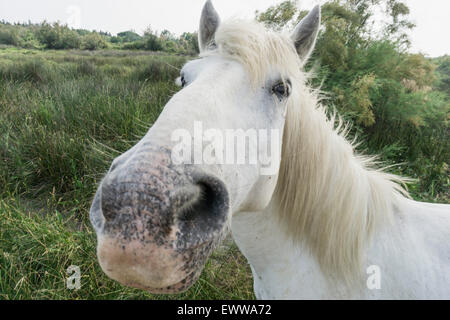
{"type": "Point", "coordinates": [431, 36]}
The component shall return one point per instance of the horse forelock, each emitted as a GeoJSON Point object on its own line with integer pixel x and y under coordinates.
{"type": "Point", "coordinates": [258, 49]}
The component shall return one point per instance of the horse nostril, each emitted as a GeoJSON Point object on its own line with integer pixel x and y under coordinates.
{"type": "Point", "coordinates": [205, 203]}
{"type": "Point", "coordinates": [207, 215]}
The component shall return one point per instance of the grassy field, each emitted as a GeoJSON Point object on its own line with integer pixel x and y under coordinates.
{"type": "Point", "coordinates": [63, 117]}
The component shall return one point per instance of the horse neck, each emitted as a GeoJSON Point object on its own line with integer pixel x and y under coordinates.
{"type": "Point", "coordinates": [327, 197]}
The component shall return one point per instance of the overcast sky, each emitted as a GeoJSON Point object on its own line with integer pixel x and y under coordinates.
{"type": "Point", "coordinates": [431, 36]}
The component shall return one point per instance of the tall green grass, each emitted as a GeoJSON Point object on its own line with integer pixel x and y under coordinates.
{"type": "Point", "coordinates": [62, 116]}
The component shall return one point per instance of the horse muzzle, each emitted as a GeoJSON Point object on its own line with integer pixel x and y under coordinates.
{"type": "Point", "coordinates": [157, 224]}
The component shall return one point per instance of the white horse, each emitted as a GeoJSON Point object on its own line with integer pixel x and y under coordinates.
{"type": "Point", "coordinates": [324, 225]}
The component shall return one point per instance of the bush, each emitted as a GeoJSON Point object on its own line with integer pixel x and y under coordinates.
{"type": "Point", "coordinates": [128, 36]}
{"type": "Point", "coordinates": [9, 36]}
{"type": "Point", "coordinates": [58, 37]}
{"type": "Point", "coordinates": [153, 43]}
{"type": "Point", "coordinates": [93, 41]}
{"type": "Point", "coordinates": [137, 45]}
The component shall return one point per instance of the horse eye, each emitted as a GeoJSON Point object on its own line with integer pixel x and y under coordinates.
{"type": "Point", "coordinates": [282, 89]}
{"type": "Point", "coordinates": [183, 81]}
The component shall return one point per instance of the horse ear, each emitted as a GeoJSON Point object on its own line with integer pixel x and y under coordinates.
{"type": "Point", "coordinates": [209, 22]}
{"type": "Point", "coordinates": [305, 33]}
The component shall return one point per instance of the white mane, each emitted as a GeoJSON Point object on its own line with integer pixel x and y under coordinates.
{"type": "Point", "coordinates": [327, 196]}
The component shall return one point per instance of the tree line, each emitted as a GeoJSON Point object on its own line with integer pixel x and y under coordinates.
{"type": "Point", "coordinates": [60, 37]}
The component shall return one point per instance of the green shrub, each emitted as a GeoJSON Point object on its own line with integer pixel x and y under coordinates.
{"type": "Point", "coordinates": [93, 41]}
{"type": "Point", "coordinates": [128, 36]}
{"type": "Point", "coordinates": [153, 43]}
{"type": "Point", "coordinates": [58, 36]}
{"type": "Point", "coordinates": [136, 45]}
{"type": "Point", "coordinates": [9, 36]}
